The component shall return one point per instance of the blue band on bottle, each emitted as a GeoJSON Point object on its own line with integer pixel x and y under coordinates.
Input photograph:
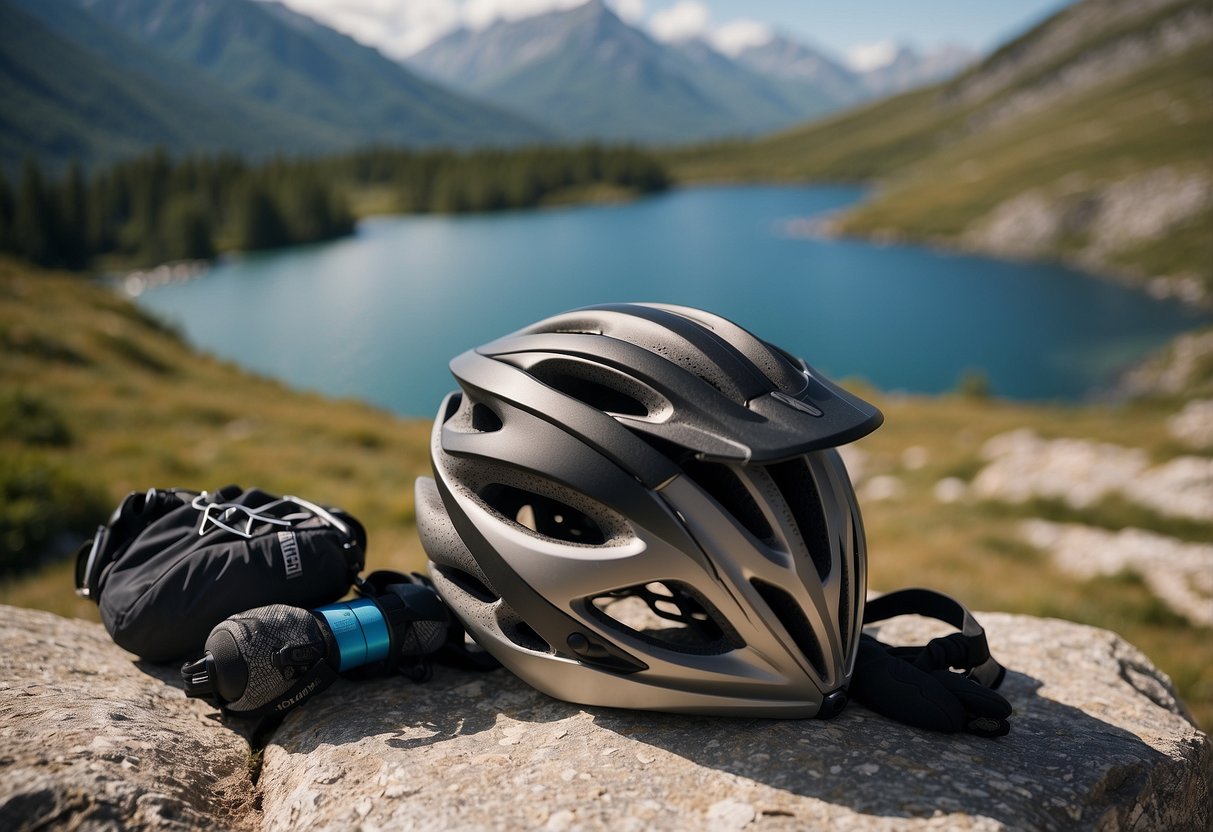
{"type": "Point", "coordinates": [360, 631]}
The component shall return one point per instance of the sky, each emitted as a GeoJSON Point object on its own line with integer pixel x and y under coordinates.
{"type": "Point", "coordinates": [861, 32]}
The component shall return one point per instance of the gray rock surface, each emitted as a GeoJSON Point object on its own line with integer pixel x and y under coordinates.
{"type": "Point", "coordinates": [91, 740]}
{"type": "Point", "coordinates": [1099, 742]}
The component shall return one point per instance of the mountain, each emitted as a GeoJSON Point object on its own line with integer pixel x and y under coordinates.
{"type": "Point", "coordinates": [100, 80]}
{"type": "Point", "coordinates": [909, 69]}
{"type": "Point", "coordinates": [584, 71]}
{"type": "Point", "coordinates": [1085, 139]}
{"type": "Point", "coordinates": [784, 59]}
{"type": "Point", "coordinates": [289, 62]}
{"type": "Point", "coordinates": [757, 102]}
{"type": "Point", "coordinates": [591, 75]}
{"type": "Point", "coordinates": [72, 87]}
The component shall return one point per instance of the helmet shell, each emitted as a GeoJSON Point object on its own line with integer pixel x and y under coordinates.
{"type": "Point", "coordinates": [642, 506]}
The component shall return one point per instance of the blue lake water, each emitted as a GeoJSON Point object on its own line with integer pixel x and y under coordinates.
{"type": "Point", "coordinates": [378, 315]}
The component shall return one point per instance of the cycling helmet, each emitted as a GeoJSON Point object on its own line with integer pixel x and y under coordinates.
{"type": "Point", "coordinates": [641, 506]}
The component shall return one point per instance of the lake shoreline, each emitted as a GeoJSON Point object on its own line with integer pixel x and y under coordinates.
{"type": "Point", "coordinates": [731, 249]}
{"type": "Point", "coordinates": [825, 226]}
{"type": "Point", "coordinates": [1184, 288]}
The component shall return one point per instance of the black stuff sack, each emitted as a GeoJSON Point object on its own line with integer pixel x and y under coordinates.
{"type": "Point", "coordinates": [173, 563]}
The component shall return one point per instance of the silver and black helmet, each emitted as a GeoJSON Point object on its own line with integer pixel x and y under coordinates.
{"type": "Point", "coordinates": [641, 506]}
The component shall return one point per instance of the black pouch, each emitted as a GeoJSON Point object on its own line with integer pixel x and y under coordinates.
{"type": "Point", "coordinates": [173, 563]}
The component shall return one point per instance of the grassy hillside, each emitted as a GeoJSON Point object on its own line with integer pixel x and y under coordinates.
{"type": "Point", "coordinates": [97, 399]}
{"type": "Point", "coordinates": [1086, 139]}
{"type": "Point", "coordinates": [127, 406]}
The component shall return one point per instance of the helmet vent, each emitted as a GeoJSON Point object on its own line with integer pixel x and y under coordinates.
{"type": "Point", "coordinates": [524, 635]}
{"type": "Point", "coordinates": [596, 395]}
{"type": "Point", "coordinates": [799, 490]}
{"type": "Point", "coordinates": [600, 387]}
{"type": "Point", "coordinates": [666, 614]}
{"type": "Point", "coordinates": [793, 619]}
{"type": "Point", "coordinates": [469, 583]}
{"type": "Point", "coordinates": [484, 419]}
{"type": "Point", "coordinates": [543, 515]}
{"type": "Point", "coordinates": [726, 488]}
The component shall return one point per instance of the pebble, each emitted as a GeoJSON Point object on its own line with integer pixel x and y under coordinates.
{"type": "Point", "coordinates": [729, 814]}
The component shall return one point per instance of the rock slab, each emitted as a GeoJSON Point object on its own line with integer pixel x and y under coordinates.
{"type": "Point", "coordinates": [90, 740]}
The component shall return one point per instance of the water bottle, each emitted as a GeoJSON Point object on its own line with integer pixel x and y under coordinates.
{"type": "Point", "coordinates": [270, 660]}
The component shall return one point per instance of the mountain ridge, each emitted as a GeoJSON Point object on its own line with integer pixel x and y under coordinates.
{"type": "Point", "coordinates": [275, 56]}
{"type": "Point", "coordinates": [72, 88]}
{"type": "Point", "coordinates": [98, 81]}
{"type": "Point", "coordinates": [594, 54]}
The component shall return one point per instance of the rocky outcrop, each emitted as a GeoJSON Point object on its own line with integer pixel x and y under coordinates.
{"type": "Point", "coordinates": [1080, 472]}
{"type": "Point", "coordinates": [1179, 573]}
{"type": "Point", "coordinates": [1109, 217]}
{"type": "Point", "coordinates": [1180, 369]}
{"type": "Point", "coordinates": [91, 739]}
{"type": "Point", "coordinates": [1099, 742]}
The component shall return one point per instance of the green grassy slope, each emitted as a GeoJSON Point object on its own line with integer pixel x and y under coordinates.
{"type": "Point", "coordinates": [867, 143]}
{"type": "Point", "coordinates": [1160, 116]}
{"type": "Point", "coordinates": [109, 401]}
{"type": "Point", "coordinates": [1059, 115]}
{"type": "Point", "coordinates": [124, 404]}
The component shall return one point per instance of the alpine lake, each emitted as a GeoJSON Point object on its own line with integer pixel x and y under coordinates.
{"type": "Point", "coordinates": [378, 315]}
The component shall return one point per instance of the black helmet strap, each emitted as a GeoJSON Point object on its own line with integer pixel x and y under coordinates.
{"type": "Point", "coordinates": [966, 650]}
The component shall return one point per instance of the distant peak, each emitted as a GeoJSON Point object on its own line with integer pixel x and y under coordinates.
{"type": "Point", "coordinates": [489, 17]}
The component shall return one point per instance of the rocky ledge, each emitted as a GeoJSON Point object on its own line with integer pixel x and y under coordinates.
{"type": "Point", "coordinates": [90, 738]}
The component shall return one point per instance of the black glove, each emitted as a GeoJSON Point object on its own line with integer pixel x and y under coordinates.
{"type": "Point", "coordinates": [916, 686]}
{"type": "Point", "coordinates": [894, 685]}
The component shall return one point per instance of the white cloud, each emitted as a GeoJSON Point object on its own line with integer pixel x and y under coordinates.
{"type": "Point", "coordinates": [869, 56]}
{"type": "Point", "coordinates": [734, 37]}
{"type": "Point", "coordinates": [480, 13]}
{"type": "Point", "coordinates": [396, 28]}
{"type": "Point", "coordinates": [402, 27]}
{"type": "Point", "coordinates": [685, 20]}
{"type": "Point", "coordinates": [630, 11]}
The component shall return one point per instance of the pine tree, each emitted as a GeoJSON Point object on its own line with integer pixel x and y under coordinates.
{"type": "Point", "coordinates": [33, 223]}
{"type": "Point", "coordinates": [258, 221]}
{"type": "Point", "coordinates": [72, 232]}
{"type": "Point", "coordinates": [186, 230]}
{"type": "Point", "coordinates": [7, 208]}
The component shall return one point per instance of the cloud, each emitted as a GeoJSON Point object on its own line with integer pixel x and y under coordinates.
{"type": "Point", "coordinates": [685, 20]}
{"type": "Point", "coordinates": [630, 11]}
{"type": "Point", "coordinates": [396, 28]}
{"type": "Point", "coordinates": [869, 56]}
{"type": "Point", "coordinates": [691, 19]}
{"type": "Point", "coordinates": [736, 36]}
{"type": "Point", "coordinates": [480, 13]}
{"type": "Point", "coordinates": [401, 27]}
